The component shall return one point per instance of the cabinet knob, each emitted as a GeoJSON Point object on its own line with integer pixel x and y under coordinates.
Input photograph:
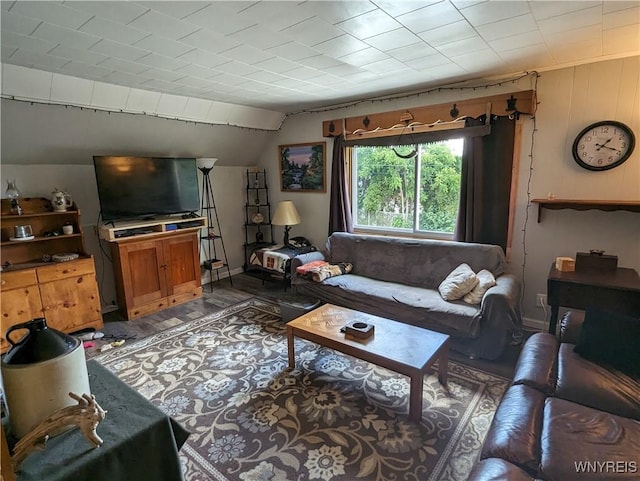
{"type": "Point", "coordinates": [3, 282]}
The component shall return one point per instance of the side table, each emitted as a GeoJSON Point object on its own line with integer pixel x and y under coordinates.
{"type": "Point", "coordinates": [140, 441]}
{"type": "Point", "coordinates": [614, 290]}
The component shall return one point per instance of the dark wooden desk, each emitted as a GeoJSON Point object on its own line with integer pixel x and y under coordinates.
{"type": "Point", "coordinates": [615, 290]}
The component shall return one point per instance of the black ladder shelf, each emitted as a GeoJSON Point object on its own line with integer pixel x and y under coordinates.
{"type": "Point", "coordinates": [213, 235]}
{"type": "Point", "coordinates": [258, 231]}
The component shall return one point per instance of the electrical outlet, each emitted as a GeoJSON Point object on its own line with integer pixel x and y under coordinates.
{"type": "Point", "coordinates": [541, 300]}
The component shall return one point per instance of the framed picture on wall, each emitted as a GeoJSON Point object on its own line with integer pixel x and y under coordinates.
{"type": "Point", "coordinates": [303, 167]}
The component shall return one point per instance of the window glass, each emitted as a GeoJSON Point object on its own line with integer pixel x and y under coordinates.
{"type": "Point", "coordinates": [388, 197]}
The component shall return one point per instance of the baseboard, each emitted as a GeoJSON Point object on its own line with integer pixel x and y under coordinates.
{"type": "Point", "coordinates": [534, 324]}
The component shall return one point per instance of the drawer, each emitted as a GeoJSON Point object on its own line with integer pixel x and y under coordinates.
{"type": "Point", "coordinates": [14, 279]}
{"type": "Point", "coordinates": [62, 270]}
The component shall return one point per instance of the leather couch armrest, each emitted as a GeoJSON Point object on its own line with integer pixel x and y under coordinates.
{"type": "Point", "coordinates": [537, 365]}
{"type": "Point", "coordinates": [570, 326]}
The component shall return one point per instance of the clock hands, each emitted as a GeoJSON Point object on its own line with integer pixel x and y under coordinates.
{"type": "Point", "coordinates": [605, 145]}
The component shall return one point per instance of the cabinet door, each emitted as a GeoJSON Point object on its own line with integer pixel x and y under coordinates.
{"type": "Point", "coordinates": [20, 301]}
{"type": "Point", "coordinates": [143, 272]}
{"type": "Point", "coordinates": [72, 303]}
{"type": "Point", "coordinates": [182, 263]}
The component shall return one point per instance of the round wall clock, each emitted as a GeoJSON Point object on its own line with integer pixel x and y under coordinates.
{"type": "Point", "coordinates": [603, 145]}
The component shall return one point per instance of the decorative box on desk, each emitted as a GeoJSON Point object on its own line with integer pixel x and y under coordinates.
{"type": "Point", "coordinates": [598, 261]}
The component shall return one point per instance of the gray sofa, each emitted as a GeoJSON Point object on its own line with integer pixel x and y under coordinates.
{"type": "Point", "coordinates": [399, 278]}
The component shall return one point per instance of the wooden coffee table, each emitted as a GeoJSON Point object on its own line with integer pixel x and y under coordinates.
{"type": "Point", "coordinates": [400, 347]}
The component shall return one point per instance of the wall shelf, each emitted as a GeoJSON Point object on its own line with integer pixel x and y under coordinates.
{"type": "Point", "coordinates": [579, 204]}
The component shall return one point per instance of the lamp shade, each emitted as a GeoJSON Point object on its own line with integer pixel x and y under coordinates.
{"type": "Point", "coordinates": [206, 162]}
{"type": "Point", "coordinates": [286, 214]}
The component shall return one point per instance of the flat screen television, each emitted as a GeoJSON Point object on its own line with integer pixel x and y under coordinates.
{"type": "Point", "coordinates": [144, 187]}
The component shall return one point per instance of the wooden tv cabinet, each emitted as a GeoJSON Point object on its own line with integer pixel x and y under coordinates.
{"type": "Point", "coordinates": [155, 266]}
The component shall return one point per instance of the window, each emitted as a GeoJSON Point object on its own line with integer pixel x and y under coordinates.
{"type": "Point", "coordinates": [387, 197]}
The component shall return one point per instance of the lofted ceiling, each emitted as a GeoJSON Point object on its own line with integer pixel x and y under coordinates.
{"type": "Point", "coordinates": [287, 56]}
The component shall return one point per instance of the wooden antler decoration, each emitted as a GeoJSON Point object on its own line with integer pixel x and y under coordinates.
{"type": "Point", "coordinates": [87, 414]}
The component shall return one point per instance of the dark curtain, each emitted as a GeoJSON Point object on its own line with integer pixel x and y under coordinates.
{"type": "Point", "coordinates": [485, 188]}
{"type": "Point", "coordinates": [340, 207]}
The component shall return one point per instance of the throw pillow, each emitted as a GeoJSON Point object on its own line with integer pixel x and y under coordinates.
{"type": "Point", "coordinates": [611, 338]}
{"type": "Point", "coordinates": [320, 273]}
{"type": "Point", "coordinates": [460, 282]}
{"type": "Point", "coordinates": [485, 281]}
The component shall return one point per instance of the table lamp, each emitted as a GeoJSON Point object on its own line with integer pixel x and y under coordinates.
{"type": "Point", "coordinates": [286, 215]}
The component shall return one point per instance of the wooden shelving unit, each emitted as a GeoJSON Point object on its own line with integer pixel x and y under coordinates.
{"type": "Point", "coordinates": [579, 204]}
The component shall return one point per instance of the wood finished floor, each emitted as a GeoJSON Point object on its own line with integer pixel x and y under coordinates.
{"type": "Point", "coordinates": [218, 295]}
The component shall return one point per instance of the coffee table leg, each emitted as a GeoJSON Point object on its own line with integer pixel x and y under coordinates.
{"type": "Point", "coordinates": [415, 397]}
{"type": "Point", "coordinates": [443, 366]}
{"type": "Point", "coordinates": [290, 347]}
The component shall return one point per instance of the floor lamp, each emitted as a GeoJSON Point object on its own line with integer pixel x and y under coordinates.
{"type": "Point", "coordinates": [208, 206]}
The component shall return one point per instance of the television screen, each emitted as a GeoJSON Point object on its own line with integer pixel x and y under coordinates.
{"type": "Point", "coordinates": [131, 187]}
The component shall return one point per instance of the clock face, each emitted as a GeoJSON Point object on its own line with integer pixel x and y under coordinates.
{"type": "Point", "coordinates": [603, 145]}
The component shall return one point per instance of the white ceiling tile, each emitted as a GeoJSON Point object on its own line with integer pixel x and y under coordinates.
{"type": "Point", "coordinates": [326, 80]}
{"type": "Point", "coordinates": [65, 36]}
{"type": "Point", "coordinates": [14, 22]}
{"type": "Point", "coordinates": [428, 61]}
{"type": "Point", "coordinates": [171, 105]}
{"type": "Point", "coordinates": [433, 16]}
{"type": "Point", "coordinates": [517, 41]}
{"type": "Point", "coordinates": [337, 11]}
{"type": "Point", "coordinates": [218, 17]}
{"type": "Point", "coordinates": [410, 52]}
{"type": "Point", "coordinates": [276, 65]}
{"type": "Point", "coordinates": [545, 9]}
{"type": "Point", "coordinates": [460, 47]}
{"type": "Point", "coordinates": [32, 44]}
{"type": "Point", "coordinates": [526, 58]}
{"type": "Point", "coordinates": [237, 68]}
{"type": "Point", "coordinates": [52, 12]}
{"type": "Point", "coordinates": [344, 70]}
{"type": "Point", "coordinates": [396, 8]}
{"type": "Point", "coordinates": [203, 58]}
{"type": "Point", "coordinates": [621, 40]}
{"type": "Point", "coordinates": [161, 61]}
{"type": "Point", "coordinates": [228, 79]}
{"type": "Point", "coordinates": [260, 37]}
{"type": "Point", "coordinates": [118, 50]}
{"type": "Point", "coordinates": [483, 60]}
{"type": "Point", "coordinates": [23, 82]}
{"type": "Point", "coordinates": [113, 31]}
{"type": "Point", "coordinates": [106, 95]}
{"type": "Point", "coordinates": [6, 52]}
{"type": "Point", "coordinates": [369, 24]}
{"type": "Point", "coordinates": [163, 46]}
{"type": "Point", "coordinates": [158, 85]}
{"type": "Point", "coordinates": [168, 75]}
{"type": "Point", "coordinates": [288, 83]}
{"type": "Point", "coordinates": [85, 56]}
{"type": "Point", "coordinates": [567, 53]}
{"type": "Point", "coordinates": [393, 39]}
{"type": "Point", "coordinates": [363, 57]}
{"type": "Point", "coordinates": [277, 15]}
{"type": "Point", "coordinates": [246, 54]}
{"type": "Point", "coordinates": [178, 9]}
{"type": "Point", "coordinates": [446, 71]}
{"type": "Point", "coordinates": [489, 12]}
{"type": "Point", "coordinates": [142, 101]}
{"type": "Point", "coordinates": [124, 66]}
{"type": "Point", "coordinates": [614, 6]}
{"type": "Point", "coordinates": [386, 65]}
{"type": "Point", "coordinates": [507, 28]}
{"type": "Point", "coordinates": [196, 82]}
{"type": "Point", "coordinates": [124, 13]}
{"type": "Point", "coordinates": [37, 60]}
{"type": "Point", "coordinates": [311, 32]}
{"type": "Point", "coordinates": [571, 21]}
{"type": "Point", "coordinates": [447, 33]}
{"type": "Point", "coordinates": [194, 71]}
{"type": "Point", "coordinates": [293, 51]}
{"type": "Point", "coordinates": [264, 76]}
{"type": "Point", "coordinates": [71, 90]}
{"type": "Point", "coordinates": [574, 36]}
{"type": "Point", "coordinates": [342, 45]}
{"type": "Point", "coordinates": [303, 73]}
{"type": "Point", "coordinates": [319, 62]}
{"type": "Point", "coordinates": [163, 25]}
{"type": "Point", "coordinates": [210, 41]}
{"type": "Point", "coordinates": [622, 18]}
{"type": "Point", "coordinates": [124, 78]}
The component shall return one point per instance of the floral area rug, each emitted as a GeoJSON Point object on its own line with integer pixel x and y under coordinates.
{"type": "Point", "coordinates": [225, 377]}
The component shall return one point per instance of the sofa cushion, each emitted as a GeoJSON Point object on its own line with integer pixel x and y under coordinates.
{"type": "Point", "coordinates": [494, 469]}
{"type": "Point", "coordinates": [458, 283]}
{"type": "Point", "coordinates": [591, 384]}
{"type": "Point", "coordinates": [485, 282]}
{"type": "Point", "coordinates": [537, 364]}
{"type": "Point", "coordinates": [573, 434]}
{"type": "Point", "coordinates": [611, 338]}
{"type": "Point", "coordinates": [514, 434]}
